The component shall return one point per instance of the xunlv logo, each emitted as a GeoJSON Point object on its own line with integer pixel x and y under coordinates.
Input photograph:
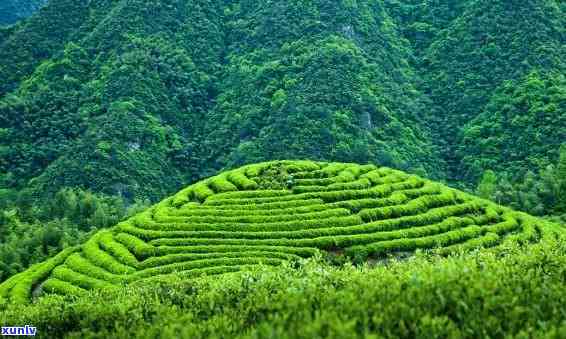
{"type": "Point", "coordinates": [19, 330]}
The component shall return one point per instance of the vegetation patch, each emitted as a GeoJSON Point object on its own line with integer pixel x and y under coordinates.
{"type": "Point", "coordinates": [281, 212]}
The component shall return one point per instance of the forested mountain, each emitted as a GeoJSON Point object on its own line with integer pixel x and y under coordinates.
{"type": "Point", "coordinates": [309, 134]}
{"type": "Point", "coordinates": [469, 54]}
{"type": "Point", "coordinates": [135, 98]}
{"type": "Point", "coordinates": [13, 10]}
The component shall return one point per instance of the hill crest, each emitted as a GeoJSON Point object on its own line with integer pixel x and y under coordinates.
{"type": "Point", "coordinates": [273, 212]}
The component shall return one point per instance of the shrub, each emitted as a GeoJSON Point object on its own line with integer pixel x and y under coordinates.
{"type": "Point", "coordinates": [206, 211]}
{"type": "Point", "coordinates": [241, 181]}
{"type": "Point", "coordinates": [249, 204]}
{"type": "Point", "coordinates": [337, 186]}
{"type": "Point", "coordinates": [86, 282]}
{"type": "Point", "coordinates": [228, 229]}
{"type": "Point", "coordinates": [197, 264]}
{"type": "Point", "coordinates": [137, 246]}
{"type": "Point", "coordinates": [487, 240]}
{"type": "Point", "coordinates": [22, 284]}
{"type": "Point", "coordinates": [429, 217]}
{"type": "Point", "coordinates": [254, 170]}
{"type": "Point", "coordinates": [56, 286]}
{"type": "Point", "coordinates": [299, 251]}
{"type": "Point", "coordinates": [416, 206]}
{"type": "Point", "coordinates": [118, 250]}
{"type": "Point", "coordinates": [250, 194]}
{"type": "Point", "coordinates": [252, 219]}
{"type": "Point", "coordinates": [333, 169]}
{"type": "Point", "coordinates": [396, 198]}
{"type": "Point", "coordinates": [91, 251]}
{"type": "Point", "coordinates": [201, 192]}
{"type": "Point", "coordinates": [432, 241]}
{"type": "Point", "coordinates": [81, 265]}
{"type": "Point", "coordinates": [187, 257]}
{"type": "Point", "coordinates": [325, 238]}
{"type": "Point", "coordinates": [269, 198]}
{"type": "Point", "coordinates": [221, 184]}
{"type": "Point", "coordinates": [302, 166]}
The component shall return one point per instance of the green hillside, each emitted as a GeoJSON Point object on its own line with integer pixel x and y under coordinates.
{"type": "Point", "coordinates": [533, 105]}
{"type": "Point", "coordinates": [135, 98]}
{"type": "Point", "coordinates": [467, 54]}
{"type": "Point", "coordinates": [276, 212]}
{"type": "Point", "coordinates": [109, 107]}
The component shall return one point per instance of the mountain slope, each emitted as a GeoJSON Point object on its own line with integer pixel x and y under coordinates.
{"type": "Point", "coordinates": [13, 10]}
{"type": "Point", "coordinates": [274, 212]}
{"type": "Point", "coordinates": [41, 37]}
{"type": "Point", "coordinates": [118, 109]}
{"type": "Point", "coordinates": [524, 123]}
{"type": "Point", "coordinates": [333, 84]}
{"type": "Point", "coordinates": [489, 43]}
{"type": "Point", "coordinates": [135, 98]}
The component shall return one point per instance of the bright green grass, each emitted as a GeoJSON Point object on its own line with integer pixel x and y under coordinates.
{"type": "Point", "coordinates": [277, 212]}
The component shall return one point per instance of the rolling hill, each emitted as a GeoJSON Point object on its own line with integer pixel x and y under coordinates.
{"type": "Point", "coordinates": [276, 212]}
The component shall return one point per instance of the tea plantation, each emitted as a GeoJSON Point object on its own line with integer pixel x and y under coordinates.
{"type": "Point", "coordinates": [279, 212]}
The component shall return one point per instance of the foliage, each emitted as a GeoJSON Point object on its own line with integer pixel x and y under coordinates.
{"type": "Point", "coordinates": [359, 212]}
{"type": "Point", "coordinates": [543, 193]}
{"type": "Point", "coordinates": [486, 187]}
{"type": "Point", "coordinates": [141, 106]}
{"type": "Point", "coordinates": [521, 128]}
{"type": "Point", "coordinates": [32, 231]}
{"type": "Point", "coordinates": [91, 97]}
{"type": "Point", "coordinates": [489, 44]}
{"type": "Point", "coordinates": [14, 10]}
{"type": "Point", "coordinates": [423, 297]}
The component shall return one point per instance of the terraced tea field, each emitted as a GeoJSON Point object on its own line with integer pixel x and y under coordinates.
{"type": "Point", "coordinates": [274, 212]}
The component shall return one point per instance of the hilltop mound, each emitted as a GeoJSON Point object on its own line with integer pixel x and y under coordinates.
{"type": "Point", "coordinates": [273, 212]}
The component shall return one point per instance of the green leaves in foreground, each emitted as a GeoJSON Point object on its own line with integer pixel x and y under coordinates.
{"type": "Point", "coordinates": [512, 291]}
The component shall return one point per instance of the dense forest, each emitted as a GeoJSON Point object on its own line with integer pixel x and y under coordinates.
{"type": "Point", "coordinates": [106, 106]}
{"type": "Point", "coordinates": [13, 10]}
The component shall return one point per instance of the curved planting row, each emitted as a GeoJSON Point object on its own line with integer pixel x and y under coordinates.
{"type": "Point", "coordinates": [274, 212]}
